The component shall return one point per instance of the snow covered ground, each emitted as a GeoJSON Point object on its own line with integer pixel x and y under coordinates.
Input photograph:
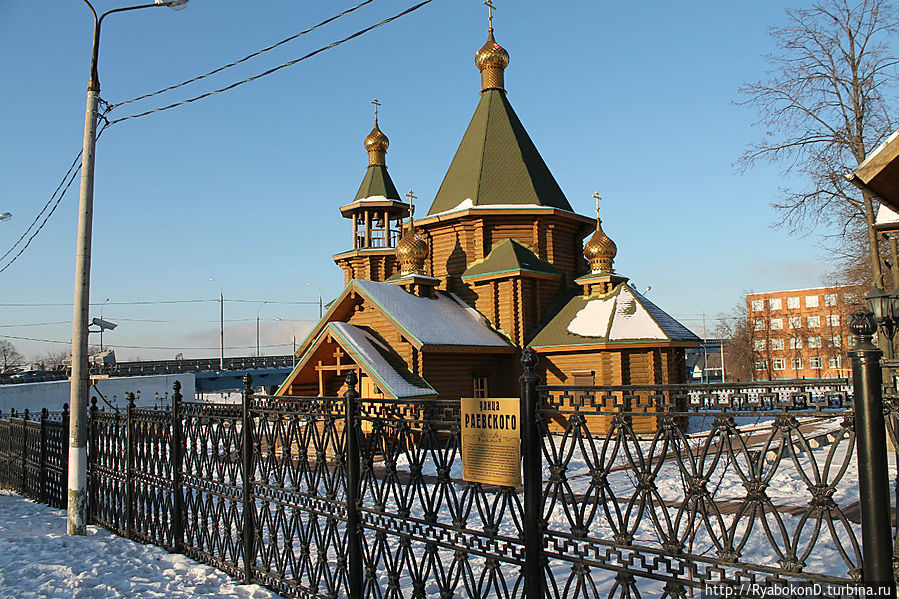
{"type": "Point", "coordinates": [37, 559]}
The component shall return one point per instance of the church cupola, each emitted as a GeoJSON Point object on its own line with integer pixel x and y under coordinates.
{"type": "Point", "coordinates": [377, 214]}
{"type": "Point", "coordinates": [411, 254]}
{"type": "Point", "coordinates": [600, 252]}
{"type": "Point", "coordinates": [492, 59]}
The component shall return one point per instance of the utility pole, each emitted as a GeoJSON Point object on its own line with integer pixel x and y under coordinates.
{"type": "Point", "coordinates": [221, 321]}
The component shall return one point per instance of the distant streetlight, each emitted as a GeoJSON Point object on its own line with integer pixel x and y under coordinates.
{"type": "Point", "coordinates": [5, 216]}
{"type": "Point", "coordinates": [290, 324]}
{"type": "Point", "coordinates": [308, 284]}
{"type": "Point", "coordinates": [101, 318]}
{"type": "Point", "coordinates": [221, 321]}
{"type": "Point", "coordinates": [257, 328]}
{"type": "Point", "coordinates": [77, 481]}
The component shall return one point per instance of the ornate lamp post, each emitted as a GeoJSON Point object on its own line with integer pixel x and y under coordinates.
{"type": "Point", "coordinates": [885, 306]}
{"type": "Point", "coordinates": [77, 482]}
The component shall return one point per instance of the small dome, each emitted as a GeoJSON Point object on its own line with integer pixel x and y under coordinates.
{"type": "Point", "coordinates": [411, 252]}
{"type": "Point", "coordinates": [376, 140]}
{"type": "Point", "coordinates": [600, 250]}
{"type": "Point", "coordinates": [491, 54]}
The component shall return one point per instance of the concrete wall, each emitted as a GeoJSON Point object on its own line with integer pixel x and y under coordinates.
{"type": "Point", "coordinates": [54, 394]}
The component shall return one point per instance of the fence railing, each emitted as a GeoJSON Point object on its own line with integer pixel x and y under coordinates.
{"type": "Point", "coordinates": [34, 455]}
{"type": "Point", "coordinates": [653, 491]}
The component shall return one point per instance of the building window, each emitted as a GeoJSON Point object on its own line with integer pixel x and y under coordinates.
{"type": "Point", "coordinates": [758, 345]}
{"type": "Point", "coordinates": [832, 320]}
{"type": "Point", "coordinates": [794, 322]}
{"type": "Point", "coordinates": [777, 363]}
{"type": "Point", "coordinates": [813, 322]}
{"type": "Point", "coordinates": [777, 344]}
{"type": "Point", "coordinates": [774, 303]}
{"type": "Point", "coordinates": [796, 363]}
{"type": "Point", "coordinates": [814, 362]}
{"type": "Point", "coordinates": [759, 324]}
{"type": "Point", "coordinates": [830, 299]}
{"type": "Point", "coordinates": [777, 324]}
{"type": "Point", "coordinates": [833, 341]}
{"type": "Point", "coordinates": [811, 301]}
{"type": "Point", "coordinates": [480, 386]}
{"type": "Point", "coordinates": [833, 362]}
{"type": "Point", "coordinates": [760, 364]}
{"type": "Point", "coordinates": [796, 343]}
{"type": "Point", "coordinates": [814, 342]}
{"type": "Point", "coordinates": [850, 341]}
{"type": "Point", "coordinates": [792, 303]}
{"type": "Point", "coordinates": [758, 305]}
{"type": "Point", "coordinates": [850, 297]}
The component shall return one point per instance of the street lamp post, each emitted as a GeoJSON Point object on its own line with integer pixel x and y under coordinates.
{"type": "Point", "coordinates": [308, 284]}
{"type": "Point", "coordinates": [101, 318]}
{"type": "Point", "coordinates": [288, 323]}
{"type": "Point", "coordinates": [257, 327]}
{"type": "Point", "coordinates": [221, 321]}
{"type": "Point", "coordinates": [77, 478]}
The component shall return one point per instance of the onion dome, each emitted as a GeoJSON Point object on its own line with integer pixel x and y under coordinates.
{"type": "Point", "coordinates": [376, 143]}
{"type": "Point", "coordinates": [600, 250]}
{"type": "Point", "coordinates": [411, 252]}
{"type": "Point", "coordinates": [491, 60]}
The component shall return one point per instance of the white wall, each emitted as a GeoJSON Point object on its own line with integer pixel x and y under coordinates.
{"type": "Point", "coordinates": [53, 394]}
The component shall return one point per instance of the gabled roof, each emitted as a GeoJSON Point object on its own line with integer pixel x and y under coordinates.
{"type": "Point", "coordinates": [621, 316]}
{"type": "Point", "coordinates": [377, 184]}
{"type": "Point", "coordinates": [441, 320]}
{"type": "Point", "coordinates": [509, 256]}
{"type": "Point", "coordinates": [497, 163]}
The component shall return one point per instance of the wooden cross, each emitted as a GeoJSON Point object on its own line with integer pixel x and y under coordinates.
{"type": "Point", "coordinates": [597, 198]}
{"type": "Point", "coordinates": [377, 104]}
{"type": "Point", "coordinates": [490, 9]}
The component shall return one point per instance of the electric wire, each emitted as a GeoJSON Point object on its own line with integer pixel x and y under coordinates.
{"type": "Point", "coordinates": [117, 345]}
{"type": "Point", "coordinates": [158, 302]}
{"type": "Point", "coordinates": [274, 69]}
{"type": "Point", "coordinates": [244, 59]}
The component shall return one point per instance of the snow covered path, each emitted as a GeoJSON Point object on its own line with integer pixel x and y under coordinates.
{"type": "Point", "coordinates": [37, 559]}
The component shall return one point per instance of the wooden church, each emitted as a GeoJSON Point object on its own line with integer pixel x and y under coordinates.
{"type": "Point", "coordinates": [442, 306]}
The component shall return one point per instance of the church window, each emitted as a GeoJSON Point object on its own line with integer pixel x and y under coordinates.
{"type": "Point", "coordinates": [480, 386]}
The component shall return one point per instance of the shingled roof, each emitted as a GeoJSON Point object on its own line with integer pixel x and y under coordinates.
{"type": "Point", "coordinates": [376, 184]}
{"type": "Point", "coordinates": [497, 163]}
{"type": "Point", "coordinates": [509, 256]}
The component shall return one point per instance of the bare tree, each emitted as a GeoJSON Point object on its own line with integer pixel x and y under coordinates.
{"type": "Point", "coordinates": [737, 332]}
{"type": "Point", "coordinates": [824, 106]}
{"type": "Point", "coordinates": [9, 355]}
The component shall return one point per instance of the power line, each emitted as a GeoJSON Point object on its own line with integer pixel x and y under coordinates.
{"type": "Point", "coordinates": [244, 59]}
{"type": "Point", "coordinates": [275, 69]}
{"type": "Point", "coordinates": [112, 346]}
{"type": "Point", "coordinates": [158, 302]}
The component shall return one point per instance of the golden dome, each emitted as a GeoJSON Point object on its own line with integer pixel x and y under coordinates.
{"type": "Point", "coordinates": [376, 140]}
{"type": "Point", "coordinates": [411, 252]}
{"type": "Point", "coordinates": [491, 54]}
{"type": "Point", "coordinates": [600, 250]}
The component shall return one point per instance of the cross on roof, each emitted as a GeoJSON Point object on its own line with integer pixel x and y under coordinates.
{"type": "Point", "coordinates": [490, 9]}
{"type": "Point", "coordinates": [597, 198]}
{"type": "Point", "coordinates": [412, 197]}
{"type": "Point", "coordinates": [377, 104]}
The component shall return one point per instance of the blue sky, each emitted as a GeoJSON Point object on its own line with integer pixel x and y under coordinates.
{"type": "Point", "coordinates": [635, 101]}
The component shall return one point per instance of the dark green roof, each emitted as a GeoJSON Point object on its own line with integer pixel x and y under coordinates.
{"type": "Point", "coordinates": [377, 182]}
{"type": "Point", "coordinates": [509, 255]}
{"type": "Point", "coordinates": [497, 163]}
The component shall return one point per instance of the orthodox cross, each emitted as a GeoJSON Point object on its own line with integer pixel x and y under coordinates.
{"type": "Point", "coordinates": [490, 9]}
{"type": "Point", "coordinates": [412, 197]}
{"type": "Point", "coordinates": [597, 198]}
{"type": "Point", "coordinates": [377, 104]}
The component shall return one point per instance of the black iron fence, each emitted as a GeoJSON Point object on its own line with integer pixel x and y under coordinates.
{"type": "Point", "coordinates": [34, 455]}
{"type": "Point", "coordinates": [652, 491]}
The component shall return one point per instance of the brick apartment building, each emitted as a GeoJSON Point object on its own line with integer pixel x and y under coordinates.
{"type": "Point", "coordinates": [802, 333]}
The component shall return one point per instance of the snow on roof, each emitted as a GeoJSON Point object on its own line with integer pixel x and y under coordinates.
{"type": "Point", "coordinates": [442, 320]}
{"type": "Point", "coordinates": [617, 317]}
{"type": "Point", "coordinates": [468, 204]}
{"type": "Point", "coordinates": [886, 216]}
{"type": "Point", "coordinates": [372, 355]}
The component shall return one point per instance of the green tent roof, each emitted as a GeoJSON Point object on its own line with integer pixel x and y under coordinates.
{"type": "Point", "coordinates": [497, 163]}
{"type": "Point", "coordinates": [377, 182]}
{"type": "Point", "coordinates": [509, 255]}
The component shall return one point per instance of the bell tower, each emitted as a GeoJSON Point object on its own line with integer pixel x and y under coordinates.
{"type": "Point", "coordinates": [376, 213]}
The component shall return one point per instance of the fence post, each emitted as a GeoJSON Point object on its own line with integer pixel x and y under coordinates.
{"type": "Point", "coordinates": [91, 454]}
{"type": "Point", "coordinates": [42, 492]}
{"type": "Point", "coordinates": [24, 482]}
{"type": "Point", "coordinates": [177, 457]}
{"type": "Point", "coordinates": [870, 429]}
{"type": "Point", "coordinates": [246, 454]}
{"type": "Point", "coordinates": [129, 467]}
{"type": "Point", "coordinates": [532, 445]}
{"type": "Point", "coordinates": [353, 487]}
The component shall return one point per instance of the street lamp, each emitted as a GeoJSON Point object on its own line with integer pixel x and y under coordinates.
{"type": "Point", "coordinates": [77, 480]}
{"type": "Point", "coordinates": [5, 216]}
{"type": "Point", "coordinates": [288, 323]}
{"type": "Point", "coordinates": [221, 321]}
{"type": "Point", "coordinates": [257, 327]}
{"type": "Point", "coordinates": [101, 318]}
{"type": "Point", "coordinates": [885, 306]}
{"type": "Point", "coordinates": [308, 284]}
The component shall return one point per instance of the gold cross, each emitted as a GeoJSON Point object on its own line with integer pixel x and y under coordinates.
{"type": "Point", "coordinates": [490, 9]}
{"type": "Point", "coordinates": [412, 198]}
{"type": "Point", "coordinates": [377, 104]}
{"type": "Point", "coordinates": [597, 198]}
